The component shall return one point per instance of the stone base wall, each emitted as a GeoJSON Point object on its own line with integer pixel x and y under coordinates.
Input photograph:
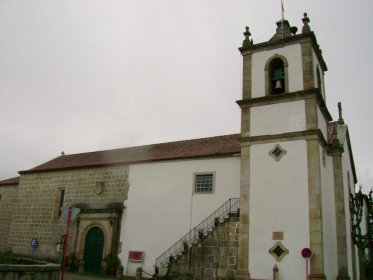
{"type": "Point", "coordinates": [214, 257]}
{"type": "Point", "coordinates": [36, 209]}
{"type": "Point", "coordinates": [27, 269]}
{"type": "Point", "coordinates": [8, 199]}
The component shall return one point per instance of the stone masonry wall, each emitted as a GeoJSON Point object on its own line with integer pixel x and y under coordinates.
{"type": "Point", "coordinates": [215, 257]}
{"type": "Point", "coordinates": [35, 210]}
{"type": "Point", "coordinates": [8, 198]}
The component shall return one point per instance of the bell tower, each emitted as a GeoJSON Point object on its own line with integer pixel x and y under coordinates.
{"type": "Point", "coordinates": [286, 162]}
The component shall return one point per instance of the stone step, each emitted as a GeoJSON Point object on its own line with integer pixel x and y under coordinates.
{"type": "Point", "coordinates": [215, 256]}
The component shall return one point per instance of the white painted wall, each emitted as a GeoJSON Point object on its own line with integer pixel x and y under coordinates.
{"type": "Point", "coordinates": [278, 118]}
{"type": "Point", "coordinates": [294, 58]}
{"type": "Point", "coordinates": [347, 168]}
{"type": "Point", "coordinates": [159, 203]}
{"type": "Point", "coordinates": [321, 123]}
{"type": "Point", "coordinates": [278, 202]}
{"type": "Point", "coordinates": [329, 217]}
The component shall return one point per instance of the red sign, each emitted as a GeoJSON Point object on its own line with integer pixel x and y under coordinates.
{"type": "Point", "coordinates": [306, 253]}
{"type": "Point", "coordinates": [135, 256]}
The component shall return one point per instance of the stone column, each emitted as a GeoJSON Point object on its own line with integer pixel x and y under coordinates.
{"type": "Point", "coordinates": [243, 249]}
{"type": "Point", "coordinates": [275, 272]}
{"type": "Point", "coordinates": [138, 273]}
{"type": "Point", "coordinates": [311, 114]}
{"type": "Point", "coordinates": [339, 196]}
{"type": "Point", "coordinates": [315, 210]}
{"type": "Point", "coordinates": [307, 64]}
{"type": "Point", "coordinates": [81, 266]}
{"type": "Point", "coordinates": [246, 75]}
{"type": "Point", "coordinates": [245, 121]}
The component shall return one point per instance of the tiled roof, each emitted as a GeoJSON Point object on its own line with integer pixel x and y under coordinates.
{"type": "Point", "coordinates": [218, 146]}
{"type": "Point", "coordinates": [11, 181]}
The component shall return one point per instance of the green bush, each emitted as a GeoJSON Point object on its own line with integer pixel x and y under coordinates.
{"type": "Point", "coordinates": [112, 261]}
{"type": "Point", "coordinates": [369, 269]}
{"type": "Point", "coordinates": [6, 257]}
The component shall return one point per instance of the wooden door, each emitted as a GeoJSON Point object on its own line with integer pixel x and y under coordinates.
{"type": "Point", "coordinates": [94, 245]}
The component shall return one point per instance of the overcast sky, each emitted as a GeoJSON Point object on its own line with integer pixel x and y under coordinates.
{"type": "Point", "coordinates": [79, 76]}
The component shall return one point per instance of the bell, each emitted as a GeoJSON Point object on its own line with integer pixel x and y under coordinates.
{"type": "Point", "coordinates": [278, 85]}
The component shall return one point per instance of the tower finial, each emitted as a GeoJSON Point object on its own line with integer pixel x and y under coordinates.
{"type": "Point", "coordinates": [306, 28]}
{"type": "Point", "coordinates": [282, 18]}
{"type": "Point", "coordinates": [247, 41]}
{"type": "Point", "coordinates": [340, 119]}
{"type": "Point", "coordinates": [282, 10]}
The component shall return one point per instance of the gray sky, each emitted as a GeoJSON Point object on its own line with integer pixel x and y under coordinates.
{"type": "Point", "coordinates": [86, 75]}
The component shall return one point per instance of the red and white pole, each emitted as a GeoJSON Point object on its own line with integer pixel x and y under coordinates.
{"type": "Point", "coordinates": [66, 244]}
{"type": "Point", "coordinates": [307, 254]}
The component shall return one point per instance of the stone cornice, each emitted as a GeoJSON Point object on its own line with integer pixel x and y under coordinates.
{"type": "Point", "coordinates": [293, 136]}
{"type": "Point", "coordinates": [300, 38]}
{"type": "Point", "coordinates": [288, 97]}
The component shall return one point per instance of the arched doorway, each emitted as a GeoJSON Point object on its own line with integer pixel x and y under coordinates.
{"type": "Point", "coordinates": [94, 245]}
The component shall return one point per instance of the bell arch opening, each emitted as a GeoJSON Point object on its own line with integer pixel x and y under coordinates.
{"type": "Point", "coordinates": [276, 75]}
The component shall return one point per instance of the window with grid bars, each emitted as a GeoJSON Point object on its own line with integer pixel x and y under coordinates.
{"type": "Point", "coordinates": [204, 183]}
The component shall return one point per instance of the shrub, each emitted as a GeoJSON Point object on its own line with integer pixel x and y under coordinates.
{"type": "Point", "coordinates": [112, 261]}
{"type": "Point", "coordinates": [6, 257]}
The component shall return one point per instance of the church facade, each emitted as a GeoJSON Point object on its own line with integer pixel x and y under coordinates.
{"type": "Point", "coordinates": [291, 166]}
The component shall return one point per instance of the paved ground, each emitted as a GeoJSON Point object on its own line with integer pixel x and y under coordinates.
{"type": "Point", "coordinates": [76, 276]}
{"type": "Point", "coordinates": [92, 276]}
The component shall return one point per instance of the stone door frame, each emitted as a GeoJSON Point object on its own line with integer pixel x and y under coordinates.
{"type": "Point", "coordinates": [106, 220]}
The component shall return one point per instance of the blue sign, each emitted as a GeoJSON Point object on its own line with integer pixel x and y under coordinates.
{"type": "Point", "coordinates": [34, 242]}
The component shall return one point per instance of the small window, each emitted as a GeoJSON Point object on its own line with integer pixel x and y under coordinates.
{"type": "Point", "coordinates": [204, 182]}
{"type": "Point", "coordinates": [60, 197]}
{"type": "Point", "coordinates": [318, 78]}
{"type": "Point", "coordinates": [277, 152]}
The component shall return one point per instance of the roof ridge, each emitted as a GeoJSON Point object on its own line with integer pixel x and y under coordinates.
{"type": "Point", "coordinates": [10, 181]}
{"type": "Point", "coordinates": [213, 146]}
{"type": "Point", "coordinates": [147, 145]}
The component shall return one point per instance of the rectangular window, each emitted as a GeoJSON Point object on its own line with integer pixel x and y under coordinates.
{"type": "Point", "coordinates": [204, 182]}
{"type": "Point", "coordinates": [60, 197]}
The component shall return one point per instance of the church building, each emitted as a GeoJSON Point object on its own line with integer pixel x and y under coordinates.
{"type": "Point", "coordinates": [287, 175]}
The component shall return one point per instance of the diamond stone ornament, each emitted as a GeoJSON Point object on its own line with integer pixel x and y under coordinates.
{"type": "Point", "coordinates": [278, 251]}
{"type": "Point", "coordinates": [277, 152]}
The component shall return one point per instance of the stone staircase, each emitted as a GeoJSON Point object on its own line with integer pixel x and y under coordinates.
{"type": "Point", "coordinates": [213, 256]}
{"type": "Point", "coordinates": [228, 209]}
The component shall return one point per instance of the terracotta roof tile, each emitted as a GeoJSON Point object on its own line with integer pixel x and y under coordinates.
{"type": "Point", "coordinates": [196, 148]}
{"type": "Point", "coordinates": [9, 182]}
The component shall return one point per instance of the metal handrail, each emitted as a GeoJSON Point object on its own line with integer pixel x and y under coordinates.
{"type": "Point", "coordinates": [232, 205]}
